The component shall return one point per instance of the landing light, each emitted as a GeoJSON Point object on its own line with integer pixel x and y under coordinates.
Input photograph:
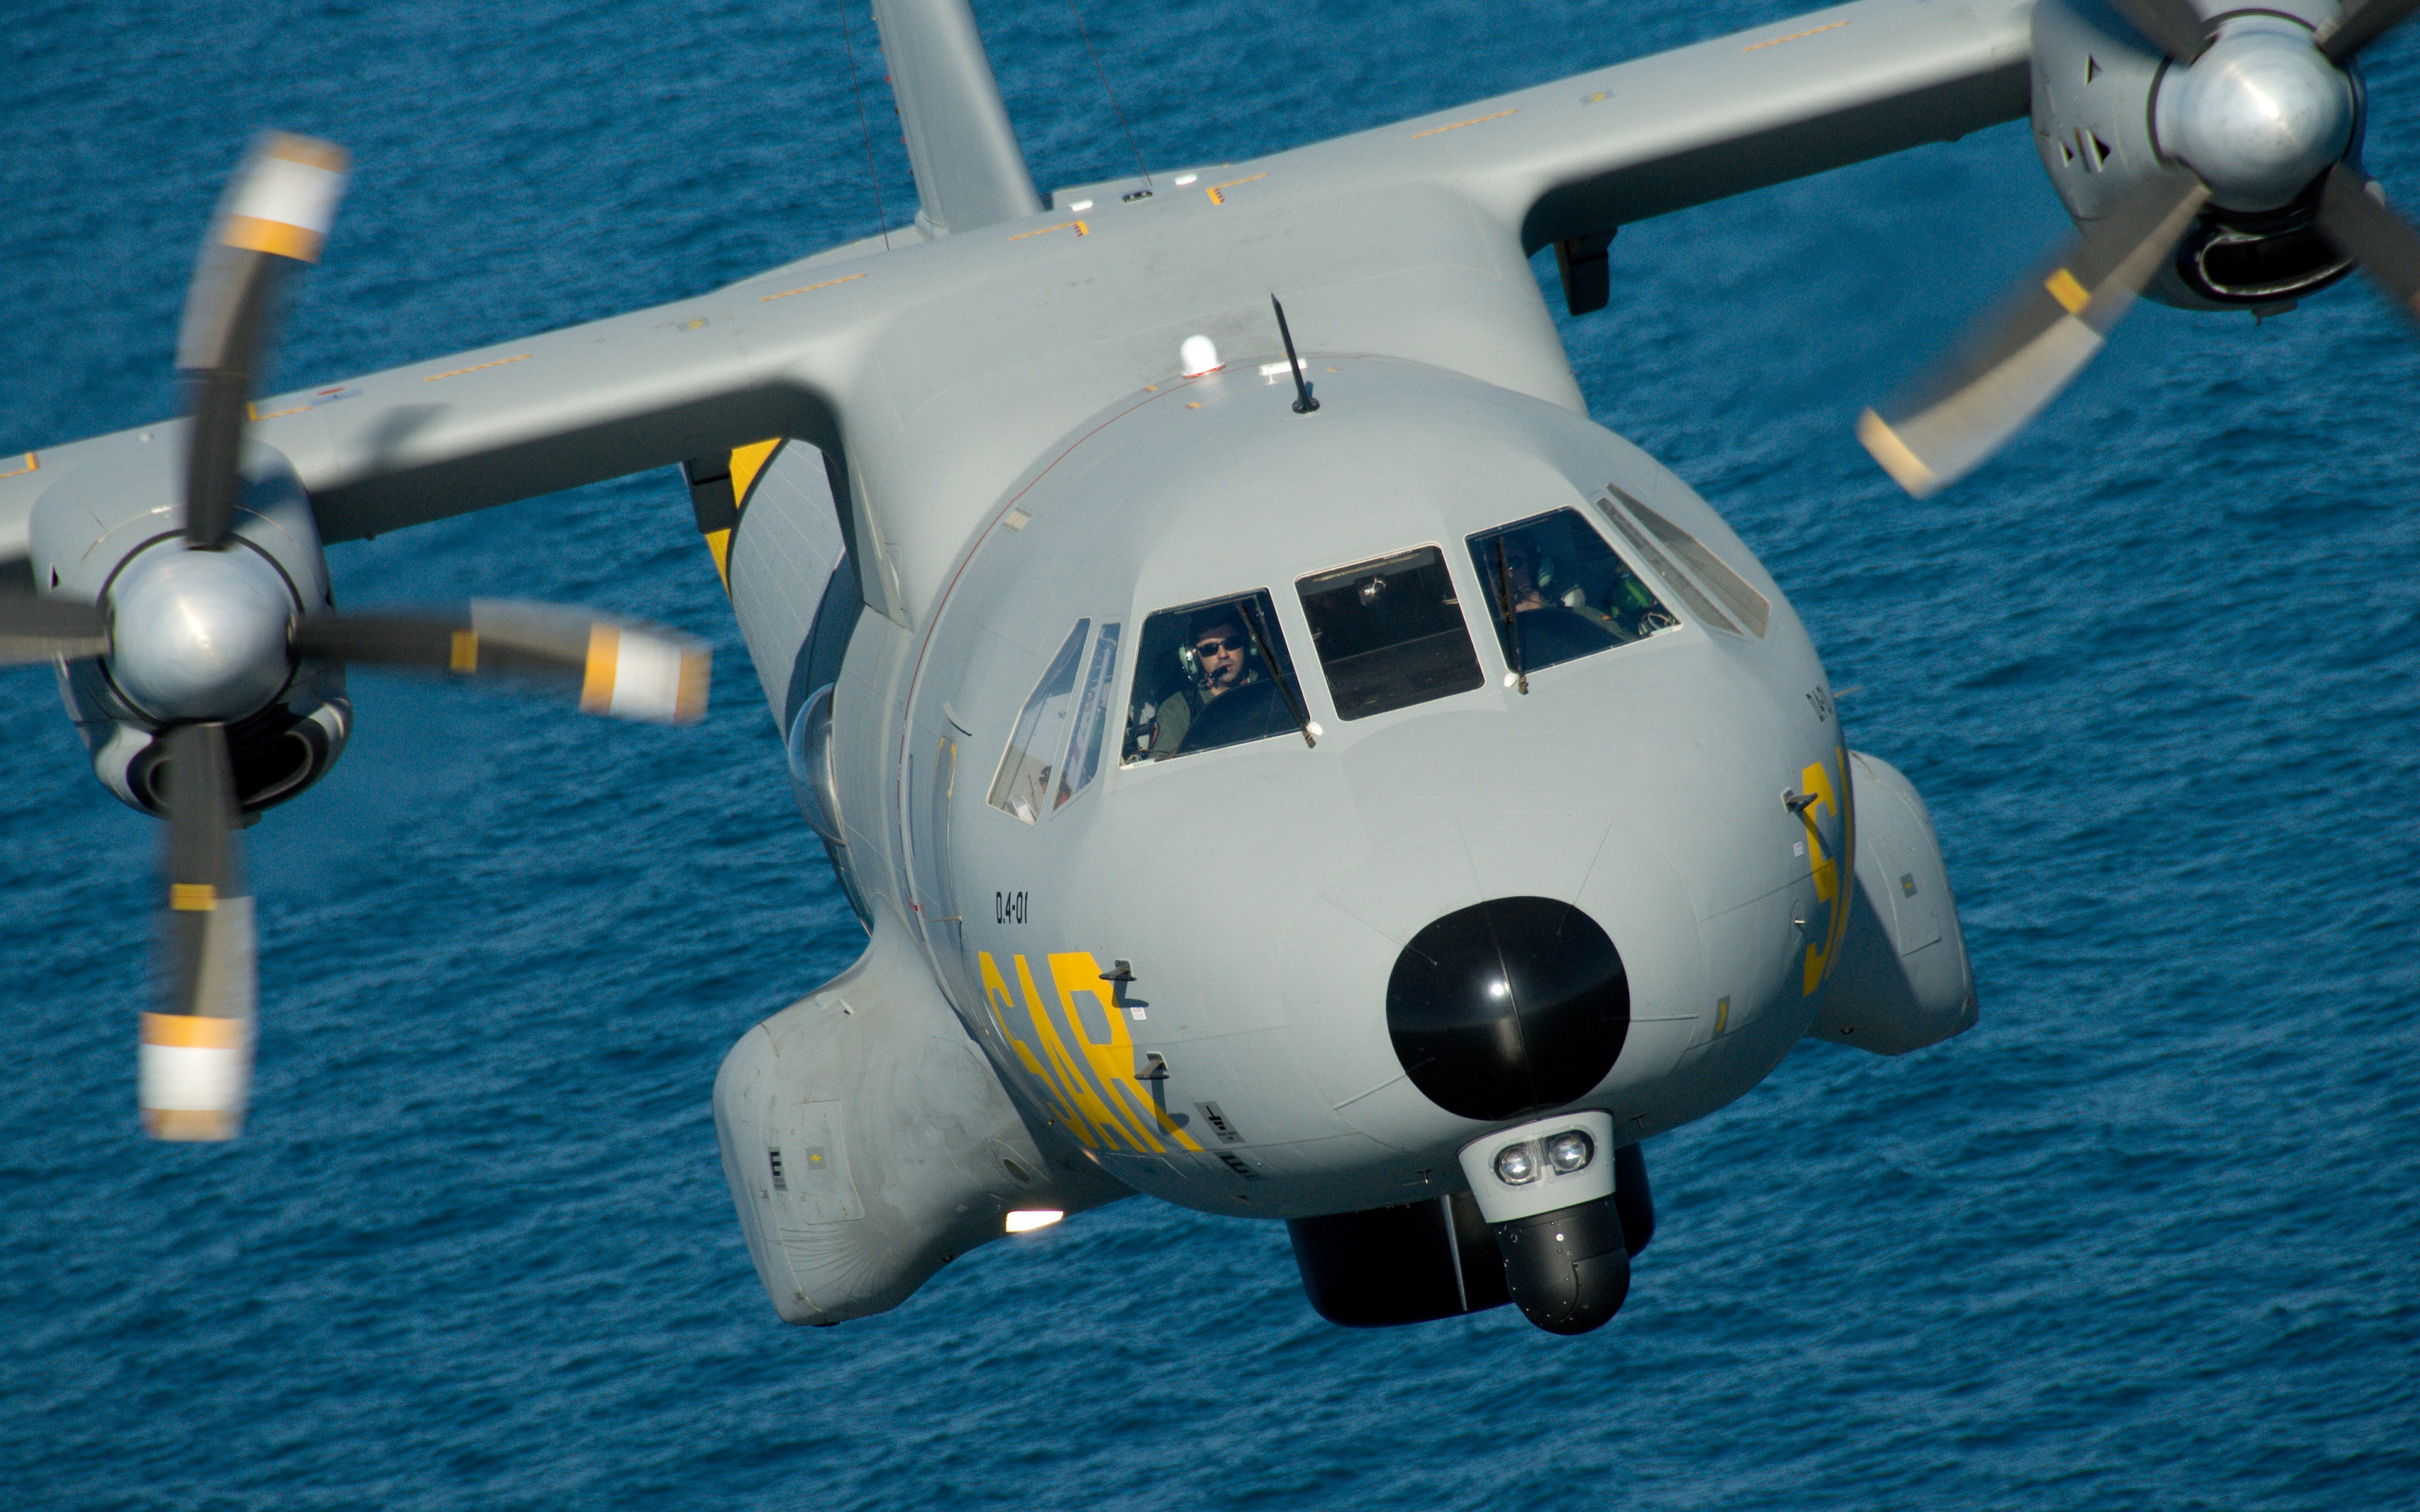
{"type": "Point", "coordinates": [1568, 1152]}
{"type": "Point", "coordinates": [1026, 1220]}
{"type": "Point", "coordinates": [1516, 1166]}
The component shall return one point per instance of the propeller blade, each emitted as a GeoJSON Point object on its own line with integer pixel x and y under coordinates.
{"type": "Point", "coordinates": [2173, 26]}
{"type": "Point", "coordinates": [196, 1050]}
{"type": "Point", "coordinates": [275, 213]}
{"type": "Point", "coordinates": [37, 630]}
{"type": "Point", "coordinates": [2362, 229]}
{"type": "Point", "coordinates": [2033, 343]}
{"type": "Point", "coordinates": [2359, 25]}
{"type": "Point", "coordinates": [627, 669]}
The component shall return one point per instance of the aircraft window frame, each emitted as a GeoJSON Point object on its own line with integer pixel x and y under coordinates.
{"type": "Point", "coordinates": [1750, 607]}
{"type": "Point", "coordinates": [1569, 627]}
{"type": "Point", "coordinates": [1387, 697]}
{"type": "Point", "coordinates": [1168, 633]}
{"type": "Point", "coordinates": [1034, 755]}
{"type": "Point", "coordinates": [1099, 682]}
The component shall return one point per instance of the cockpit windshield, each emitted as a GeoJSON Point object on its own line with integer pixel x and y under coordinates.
{"type": "Point", "coordinates": [1203, 679]}
{"type": "Point", "coordinates": [1390, 633]}
{"type": "Point", "coordinates": [1556, 592]}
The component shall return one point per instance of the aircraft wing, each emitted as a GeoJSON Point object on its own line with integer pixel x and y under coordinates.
{"type": "Point", "coordinates": [1587, 154]}
{"type": "Point", "coordinates": [429, 440]}
{"type": "Point", "coordinates": [781, 354]}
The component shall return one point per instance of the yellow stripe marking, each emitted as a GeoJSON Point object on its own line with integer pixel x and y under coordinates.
{"type": "Point", "coordinates": [768, 298]}
{"type": "Point", "coordinates": [310, 151]}
{"type": "Point", "coordinates": [33, 464]}
{"type": "Point", "coordinates": [596, 687]}
{"type": "Point", "coordinates": [717, 545]}
{"type": "Point", "coordinates": [479, 367]}
{"type": "Point", "coordinates": [273, 236]}
{"type": "Point", "coordinates": [192, 1030]}
{"type": "Point", "coordinates": [2072, 296]}
{"type": "Point", "coordinates": [1077, 226]}
{"type": "Point", "coordinates": [1217, 192]}
{"type": "Point", "coordinates": [192, 897]}
{"type": "Point", "coordinates": [696, 678]}
{"type": "Point", "coordinates": [747, 464]}
{"type": "Point", "coordinates": [1906, 468]}
{"type": "Point", "coordinates": [1475, 120]}
{"type": "Point", "coordinates": [1777, 41]}
{"type": "Point", "coordinates": [463, 655]}
{"type": "Point", "coordinates": [190, 1124]}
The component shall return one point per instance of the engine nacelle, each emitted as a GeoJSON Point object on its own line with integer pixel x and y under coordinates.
{"type": "Point", "coordinates": [867, 1141]}
{"type": "Point", "coordinates": [1902, 981]}
{"type": "Point", "coordinates": [2259, 117]}
{"type": "Point", "coordinates": [118, 517]}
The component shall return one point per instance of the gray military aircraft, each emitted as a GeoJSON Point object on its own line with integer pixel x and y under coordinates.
{"type": "Point", "coordinates": [1287, 759]}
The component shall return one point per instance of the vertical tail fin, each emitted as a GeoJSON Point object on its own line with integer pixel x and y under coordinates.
{"type": "Point", "coordinates": [970, 171]}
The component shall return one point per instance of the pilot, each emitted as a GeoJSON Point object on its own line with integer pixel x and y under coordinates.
{"type": "Point", "coordinates": [1222, 654]}
{"type": "Point", "coordinates": [1521, 566]}
{"type": "Point", "coordinates": [1534, 586]}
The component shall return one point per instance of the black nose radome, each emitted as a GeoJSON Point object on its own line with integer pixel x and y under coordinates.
{"type": "Point", "coordinates": [1508, 1006]}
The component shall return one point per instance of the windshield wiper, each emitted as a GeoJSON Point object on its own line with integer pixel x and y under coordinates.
{"type": "Point", "coordinates": [1512, 615]}
{"type": "Point", "coordinates": [1285, 683]}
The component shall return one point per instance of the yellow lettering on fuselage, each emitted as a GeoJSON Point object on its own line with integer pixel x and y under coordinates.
{"type": "Point", "coordinates": [1074, 972]}
{"type": "Point", "coordinates": [996, 996]}
{"type": "Point", "coordinates": [1079, 1089]}
{"type": "Point", "coordinates": [1094, 1085]}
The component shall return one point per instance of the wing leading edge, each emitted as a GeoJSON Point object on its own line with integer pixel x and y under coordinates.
{"type": "Point", "coordinates": [1661, 133]}
{"type": "Point", "coordinates": [787, 353]}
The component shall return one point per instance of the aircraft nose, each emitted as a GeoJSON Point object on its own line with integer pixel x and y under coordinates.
{"type": "Point", "coordinates": [1508, 1006]}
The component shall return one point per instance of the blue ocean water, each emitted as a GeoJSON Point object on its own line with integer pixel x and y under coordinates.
{"type": "Point", "coordinates": [2144, 1238]}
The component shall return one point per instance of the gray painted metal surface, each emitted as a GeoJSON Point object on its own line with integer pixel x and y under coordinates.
{"type": "Point", "coordinates": [1175, 980]}
{"type": "Point", "coordinates": [970, 171]}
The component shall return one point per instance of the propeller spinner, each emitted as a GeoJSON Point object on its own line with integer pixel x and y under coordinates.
{"type": "Point", "coordinates": [2253, 112]}
{"type": "Point", "coordinates": [198, 632]}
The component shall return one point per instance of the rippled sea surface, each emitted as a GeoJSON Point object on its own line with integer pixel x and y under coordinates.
{"type": "Point", "coordinates": [2146, 1236]}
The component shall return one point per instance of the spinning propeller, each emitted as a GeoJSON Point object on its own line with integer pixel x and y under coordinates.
{"type": "Point", "coordinates": [199, 633]}
{"type": "Point", "coordinates": [2253, 111]}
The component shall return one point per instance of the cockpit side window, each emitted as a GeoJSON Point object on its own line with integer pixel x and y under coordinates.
{"type": "Point", "coordinates": [1390, 633]}
{"type": "Point", "coordinates": [1091, 717]}
{"type": "Point", "coordinates": [1699, 605]}
{"type": "Point", "coordinates": [1750, 607]}
{"type": "Point", "coordinates": [1035, 747]}
{"type": "Point", "coordinates": [1556, 592]}
{"type": "Point", "coordinates": [1204, 679]}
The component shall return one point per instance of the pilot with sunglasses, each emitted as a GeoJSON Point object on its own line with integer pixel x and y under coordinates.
{"type": "Point", "coordinates": [1222, 659]}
